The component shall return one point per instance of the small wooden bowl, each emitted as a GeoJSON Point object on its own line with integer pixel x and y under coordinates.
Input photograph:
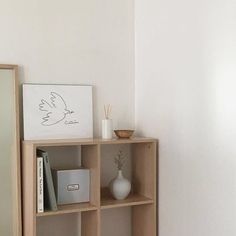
{"type": "Point", "coordinates": [123, 133]}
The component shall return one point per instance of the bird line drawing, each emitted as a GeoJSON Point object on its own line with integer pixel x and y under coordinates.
{"type": "Point", "coordinates": [55, 110]}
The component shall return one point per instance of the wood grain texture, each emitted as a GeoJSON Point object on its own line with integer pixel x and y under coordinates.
{"type": "Point", "coordinates": [15, 159]}
{"type": "Point", "coordinates": [91, 160]}
{"type": "Point", "coordinates": [71, 142]}
{"type": "Point", "coordinates": [8, 67]}
{"type": "Point", "coordinates": [61, 142]}
{"type": "Point", "coordinates": [144, 220]}
{"type": "Point", "coordinates": [90, 222]}
{"type": "Point", "coordinates": [108, 202]}
{"type": "Point", "coordinates": [144, 169]}
{"type": "Point", "coordinates": [70, 208]}
{"type": "Point", "coordinates": [127, 141]}
{"type": "Point", "coordinates": [29, 190]}
{"type": "Point", "coordinates": [142, 199]}
{"type": "Point", "coordinates": [144, 181]}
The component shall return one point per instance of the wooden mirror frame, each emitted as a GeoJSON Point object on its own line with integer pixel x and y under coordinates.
{"type": "Point", "coordinates": [16, 161]}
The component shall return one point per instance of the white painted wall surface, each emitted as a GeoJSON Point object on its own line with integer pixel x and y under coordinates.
{"type": "Point", "coordinates": [76, 42]}
{"type": "Point", "coordinates": [185, 96]}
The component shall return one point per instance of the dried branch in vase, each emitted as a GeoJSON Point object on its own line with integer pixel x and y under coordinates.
{"type": "Point", "coordinates": [120, 160]}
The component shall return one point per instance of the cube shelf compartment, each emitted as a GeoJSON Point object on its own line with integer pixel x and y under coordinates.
{"type": "Point", "coordinates": [141, 201]}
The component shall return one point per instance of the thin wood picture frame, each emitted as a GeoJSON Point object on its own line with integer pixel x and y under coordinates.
{"type": "Point", "coordinates": [15, 157]}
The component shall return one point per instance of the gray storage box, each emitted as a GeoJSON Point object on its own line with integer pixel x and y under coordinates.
{"type": "Point", "coordinates": [72, 186]}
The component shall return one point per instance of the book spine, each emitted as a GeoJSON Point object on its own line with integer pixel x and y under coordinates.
{"type": "Point", "coordinates": [40, 192]}
{"type": "Point", "coordinates": [50, 187]}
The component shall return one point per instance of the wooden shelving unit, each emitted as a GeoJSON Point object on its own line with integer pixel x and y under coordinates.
{"type": "Point", "coordinates": [142, 199]}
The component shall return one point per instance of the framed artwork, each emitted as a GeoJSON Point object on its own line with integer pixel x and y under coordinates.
{"type": "Point", "coordinates": [57, 111]}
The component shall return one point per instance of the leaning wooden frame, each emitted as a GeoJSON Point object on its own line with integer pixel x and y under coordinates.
{"type": "Point", "coordinates": [15, 154]}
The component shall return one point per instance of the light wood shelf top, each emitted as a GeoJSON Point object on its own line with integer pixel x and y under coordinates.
{"type": "Point", "coordinates": [61, 142]}
{"type": "Point", "coordinates": [124, 141]}
{"type": "Point", "coordinates": [94, 141]}
{"type": "Point", "coordinates": [71, 208]}
{"type": "Point", "coordinates": [108, 202]}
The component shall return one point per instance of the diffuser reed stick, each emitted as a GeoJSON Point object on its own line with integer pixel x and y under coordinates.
{"type": "Point", "coordinates": [107, 111]}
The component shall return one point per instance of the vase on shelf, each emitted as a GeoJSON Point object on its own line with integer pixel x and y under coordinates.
{"type": "Point", "coordinates": [120, 186]}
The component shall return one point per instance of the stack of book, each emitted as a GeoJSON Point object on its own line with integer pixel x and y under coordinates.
{"type": "Point", "coordinates": [46, 198]}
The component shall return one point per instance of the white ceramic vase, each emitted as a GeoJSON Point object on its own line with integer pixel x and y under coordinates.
{"type": "Point", "coordinates": [120, 187]}
{"type": "Point", "coordinates": [107, 130]}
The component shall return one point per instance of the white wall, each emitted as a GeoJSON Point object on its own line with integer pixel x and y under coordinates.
{"type": "Point", "coordinates": [79, 42]}
{"type": "Point", "coordinates": [185, 96]}
{"type": "Point", "coordinates": [74, 42]}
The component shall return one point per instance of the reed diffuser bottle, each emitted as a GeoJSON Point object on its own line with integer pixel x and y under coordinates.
{"type": "Point", "coordinates": [107, 129]}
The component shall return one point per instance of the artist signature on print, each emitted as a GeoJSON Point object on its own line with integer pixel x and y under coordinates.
{"type": "Point", "coordinates": [55, 111]}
